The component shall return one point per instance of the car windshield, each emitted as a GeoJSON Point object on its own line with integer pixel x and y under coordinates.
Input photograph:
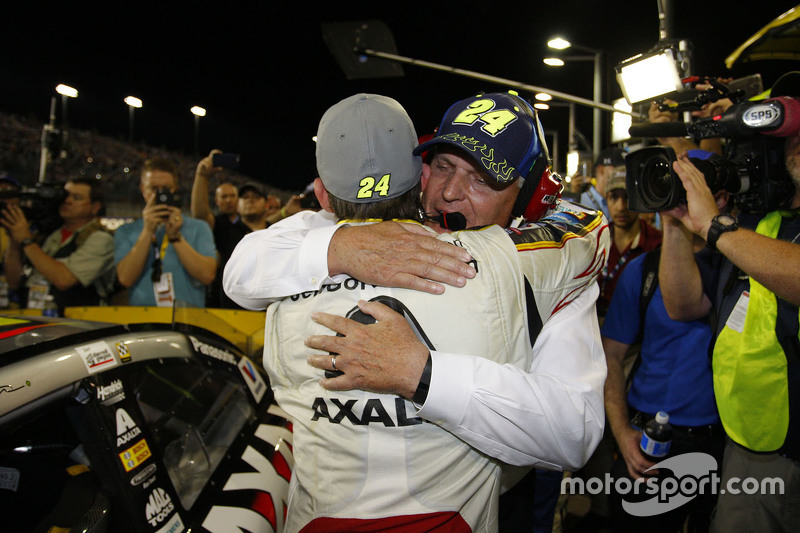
{"type": "Point", "coordinates": [193, 419]}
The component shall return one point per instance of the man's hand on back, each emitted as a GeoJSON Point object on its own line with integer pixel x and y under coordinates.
{"type": "Point", "coordinates": [394, 254]}
{"type": "Point", "coordinates": [385, 357]}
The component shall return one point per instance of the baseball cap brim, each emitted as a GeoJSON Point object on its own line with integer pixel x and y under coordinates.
{"type": "Point", "coordinates": [250, 187]}
{"type": "Point", "coordinates": [485, 157]}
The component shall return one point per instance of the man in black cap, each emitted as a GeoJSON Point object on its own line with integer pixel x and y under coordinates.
{"type": "Point", "coordinates": [595, 195]}
{"type": "Point", "coordinates": [256, 206]}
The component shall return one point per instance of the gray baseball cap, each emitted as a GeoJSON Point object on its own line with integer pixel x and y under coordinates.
{"type": "Point", "coordinates": [365, 149]}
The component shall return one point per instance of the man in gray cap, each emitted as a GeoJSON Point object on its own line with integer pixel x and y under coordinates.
{"type": "Point", "coordinates": [368, 172]}
{"type": "Point", "coordinates": [551, 414]}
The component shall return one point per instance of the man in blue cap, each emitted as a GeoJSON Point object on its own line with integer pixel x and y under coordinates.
{"type": "Point", "coordinates": [356, 181]}
{"type": "Point", "coordinates": [487, 163]}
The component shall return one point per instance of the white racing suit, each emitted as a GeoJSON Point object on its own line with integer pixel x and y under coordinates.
{"type": "Point", "coordinates": [368, 457]}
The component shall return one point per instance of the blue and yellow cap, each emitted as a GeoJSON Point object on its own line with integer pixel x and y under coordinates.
{"type": "Point", "coordinates": [500, 131]}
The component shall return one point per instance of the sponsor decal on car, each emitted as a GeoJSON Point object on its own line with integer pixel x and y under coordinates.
{"type": "Point", "coordinates": [159, 507]}
{"type": "Point", "coordinates": [174, 525]}
{"type": "Point", "coordinates": [212, 351]}
{"type": "Point", "coordinates": [9, 478]}
{"type": "Point", "coordinates": [123, 351]}
{"type": "Point", "coordinates": [135, 455]}
{"type": "Point", "coordinates": [96, 356]}
{"type": "Point", "coordinates": [254, 381]}
{"type": "Point", "coordinates": [126, 428]}
{"type": "Point", "coordinates": [111, 393]}
{"type": "Point", "coordinates": [144, 475]}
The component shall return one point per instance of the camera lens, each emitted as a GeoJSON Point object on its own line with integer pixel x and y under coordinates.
{"type": "Point", "coordinates": [657, 183]}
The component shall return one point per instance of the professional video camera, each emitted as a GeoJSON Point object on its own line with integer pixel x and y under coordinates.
{"type": "Point", "coordinates": [690, 98]}
{"type": "Point", "coordinates": [40, 204]}
{"type": "Point", "coordinates": [753, 168]}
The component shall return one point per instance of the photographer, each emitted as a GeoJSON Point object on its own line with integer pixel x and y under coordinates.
{"type": "Point", "coordinates": [73, 265]}
{"type": "Point", "coordinates": [754, 290]}
{"type": "Point", "coordinates": [164, 257]}
{"type": "Point", "coordinates": [9, 194]}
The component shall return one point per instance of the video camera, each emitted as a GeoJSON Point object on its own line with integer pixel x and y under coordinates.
{"type": "Point", "coordinates": [40, 204]}
{"type": "Point", "coordinates": [753, 169]}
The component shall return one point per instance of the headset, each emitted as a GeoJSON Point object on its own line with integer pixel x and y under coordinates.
{"type": "Point", "coordinates": [542, 187]}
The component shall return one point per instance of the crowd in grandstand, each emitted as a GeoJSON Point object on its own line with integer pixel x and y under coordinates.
{"type": "Point", "coordinates": [117, 163]}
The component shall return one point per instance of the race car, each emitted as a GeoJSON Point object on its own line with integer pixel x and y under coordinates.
{"type": "Point", "coordinates": [136, 428]}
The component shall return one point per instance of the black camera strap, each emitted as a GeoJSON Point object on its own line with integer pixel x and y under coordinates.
{"type": "Point", "coordinates": [647, 290]}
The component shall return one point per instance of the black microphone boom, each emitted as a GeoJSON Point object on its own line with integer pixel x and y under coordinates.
{"type": "Point", "coordinates": [659, 129]}
{"type": "Point", "coordinates": [774, 117]}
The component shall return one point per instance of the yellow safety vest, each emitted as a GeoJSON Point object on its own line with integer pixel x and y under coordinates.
{"type": "Point", "coordinates": [750, 367]}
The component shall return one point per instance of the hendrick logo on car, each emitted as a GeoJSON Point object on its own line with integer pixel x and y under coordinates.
{"type": "Point", "coordinates": [111, 393]}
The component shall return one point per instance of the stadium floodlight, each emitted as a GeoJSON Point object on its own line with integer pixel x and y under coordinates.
{"type": "Point", "coordinates": [66, 90]}
{"type": "Point", "coordinates": [559, 43]}
{"type": "Point", "coordinates": [596, 56]}
{"type": "Point", "coordinates": [198, 112]}
{"type": "Point", "coordinates": [133, 101]}
{"type": "Point", "coordinates": [553, 62]}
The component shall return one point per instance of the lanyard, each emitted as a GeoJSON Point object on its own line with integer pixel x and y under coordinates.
{"type": "Point", "coordinates": [158, 257]}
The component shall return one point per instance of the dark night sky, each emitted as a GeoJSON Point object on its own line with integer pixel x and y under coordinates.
{"type": "Point", "coordinates": [265, 74]}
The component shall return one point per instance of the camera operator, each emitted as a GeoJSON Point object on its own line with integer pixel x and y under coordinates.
{"type": "Point", "coordinates": [164, 257]}
{"type": "Point", "coordinates": [9, 193]}
{"type": "Point", "coordinates": [754, 290]}
{"type": "Point", "coordinates": [683, 144]}
{"type": "Point", "coordinates": [73, 265]}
